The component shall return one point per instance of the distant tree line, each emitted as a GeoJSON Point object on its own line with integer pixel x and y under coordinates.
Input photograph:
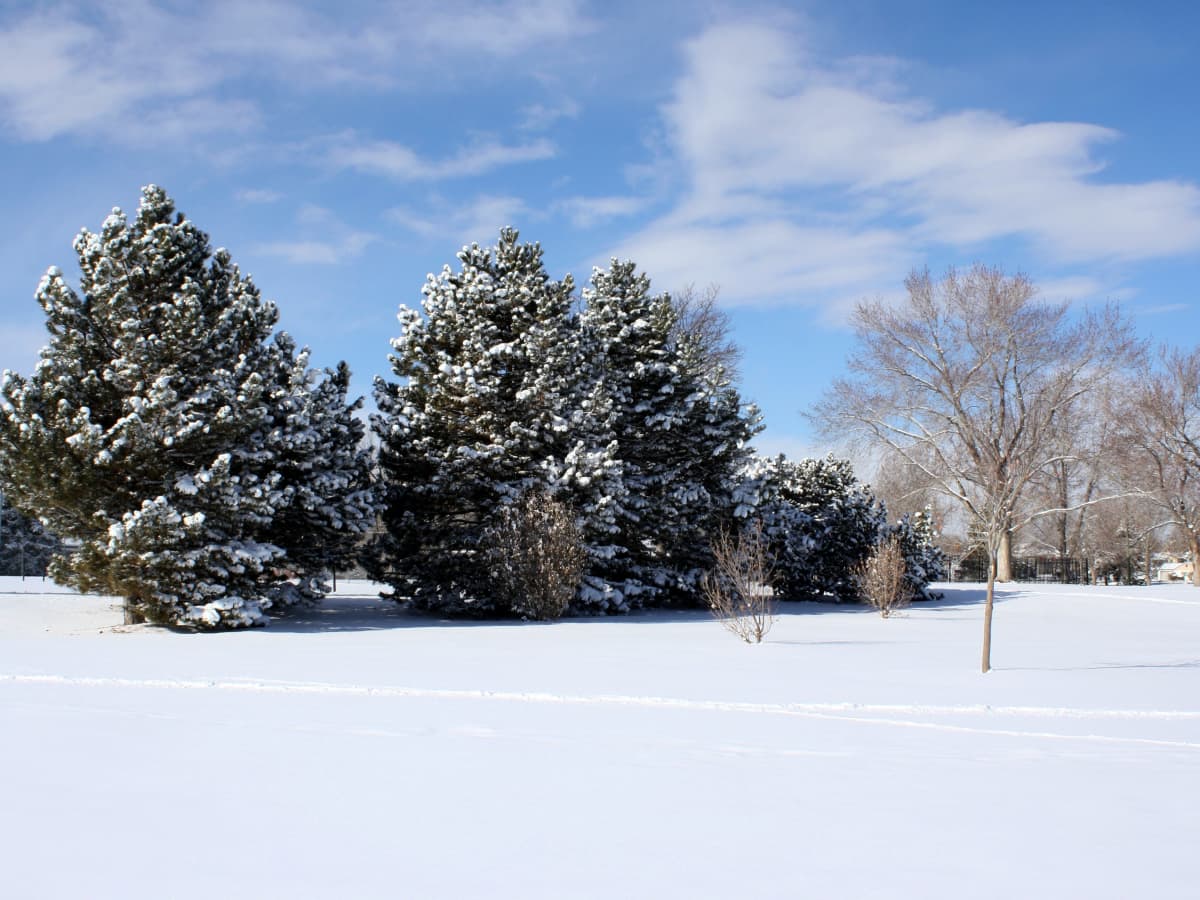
{"type": "Point", "coordinates": [1035, 423]}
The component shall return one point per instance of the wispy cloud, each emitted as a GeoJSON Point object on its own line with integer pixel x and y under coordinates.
{"type": "Point", "coordinates": [325, 240]}
{"type": "Point", "coordinates": [142, 70]}
{"type": "Point", "coordinates": [477, 221]}
{"type": "Point", "coordinates": [811, 182]}
{"type": "Point", "coordinates": [400, 162]}
{"type": "Point", "coordinates": [540, 116]}
{"type": "Point", "coordinates": [585, 212]}
{"type": "Point", "coordinates": [258, 196]}
{"type": "Point", "coordinates": [502, 29]}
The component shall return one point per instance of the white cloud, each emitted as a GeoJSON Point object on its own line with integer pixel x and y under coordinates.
{"type": "Point", "coordinates": [326, 240]}
{"type": "Point", "coordinates": [257, 196]}
{"type": "Point", "coordinates": [395, 160]}
{"type": "Point", "coordinates": [585, 212]}
{"type": "Point", "coordinates": [501, 29]}
{"type": "Point", "coordinates": [477, 221]}
{"type": "Point", "coordinates": [811, 182]}
{"type": "Point", "coordinates": [140, 70]}
{"type": "Point", "coordinates": [540, 116]}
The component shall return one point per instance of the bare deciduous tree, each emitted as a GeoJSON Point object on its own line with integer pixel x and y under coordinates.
{"type": "Point", "coordinates": [1069, 484]}
{"type": "Point", "coordinates": [701, 320]}
{"type": "Point", "coordinates": [1160, 430]}
{"type": "Point", "coordinates": [738, 589]}
{"type": "Point", "coordinates": [882, 578]}
{"type": "Point", "coordinates": [905, 489]}
{"type": "Point", "coordinates": [970, 378]}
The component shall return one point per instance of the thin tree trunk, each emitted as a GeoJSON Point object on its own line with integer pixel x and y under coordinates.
{"type": "Point", "coordinates": [132, 616]}
{"type": "Point", "coordinates": [1194, 546]}
{"type": "Point", "coordinates": [1003, 560]}
{"type": "Point", "coordinates": [987, 613]}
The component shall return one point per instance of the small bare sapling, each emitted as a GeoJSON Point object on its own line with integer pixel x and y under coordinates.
{"type": "Point", "coordinates": [738, 588]}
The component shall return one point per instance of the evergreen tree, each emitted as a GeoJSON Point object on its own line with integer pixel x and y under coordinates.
{"type": "Point", "coordinates": [924, 560]}
{"type": "Point", "coordinates": [169, 434]}
{"type": "Point", "coordinates": [489, 407]}
{"type": "Point", "coordinates": [680, 431]}
{"type": "Point", "coordinates": [26, 546]}
{"type": "Point", "coordinates": [324, 472]}
{"type": "Point", "coordinates": [820, 521]}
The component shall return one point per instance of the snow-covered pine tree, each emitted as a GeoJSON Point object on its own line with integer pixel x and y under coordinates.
{"type": "Point", "coordinates": [680, 430]}
{"type": "Point", "coordinates": [924, 560]}
{"type": "Point", "coordinates": [26, 546]}
{"type": "Point", "coordinates": [324, 471]}
{"type": "Point", "coordinates": [160, 424]}
{"type": "Point", "coordinates": [846, 523]}
{"type": "Point", "coordinates": [820, 520]}
{"type": "Point", "coordinates": [489, 406]}
{"type": "Point", "coordinates": [761, 496]}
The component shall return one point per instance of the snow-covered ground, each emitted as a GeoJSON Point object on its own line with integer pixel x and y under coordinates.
{"type": "Point", "coordinates": [362, 752]}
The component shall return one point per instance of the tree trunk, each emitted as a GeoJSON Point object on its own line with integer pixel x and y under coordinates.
{"type": "Point", "coordinates": [132, 616]}
{"type": "Point", "coordinates": [987, 613]}
{"type": "Point", "coordinates": [1003, 559]}
{"type": "Point", "coordinates": [1194, 546]}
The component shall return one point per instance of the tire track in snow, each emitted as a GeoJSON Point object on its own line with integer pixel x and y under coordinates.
{"type": "Point", "coordinates": [862, 713]}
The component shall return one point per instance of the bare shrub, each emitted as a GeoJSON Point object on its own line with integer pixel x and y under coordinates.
{"type": "Point", "coordinates": [738, 588]}
{"type": "Point", "coordinates": [882, 577]}
{"type": "Point", "coordinates": [537, 556]}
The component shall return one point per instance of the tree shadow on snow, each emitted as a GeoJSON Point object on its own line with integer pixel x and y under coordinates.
{"type": "Point", "coordinates": [370, 612]}
{"type": "Point", "coordinates": [367, 611]}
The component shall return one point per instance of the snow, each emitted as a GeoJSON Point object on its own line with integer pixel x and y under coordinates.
{"type": "Point", "coordinates": [357, 750]}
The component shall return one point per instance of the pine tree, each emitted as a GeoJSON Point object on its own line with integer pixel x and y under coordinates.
{"type": "Point", "coordinates": [488, 408]}
{"type": "Point", "coordinates": [820, 521]}
{"type": "Point", "coordinates": [680, 431]}
{"type": "Point", "coordinates": [924, 560]}
{"type": "Point", "coordinates": [324, 470]}
{"type": "Point", "coordinates": [169, 434]}
{"type": "Point", "coordinates": [26, 546]}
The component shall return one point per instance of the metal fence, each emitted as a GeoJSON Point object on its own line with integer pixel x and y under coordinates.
{"type": "Point", "coordinates": [1046, 569]}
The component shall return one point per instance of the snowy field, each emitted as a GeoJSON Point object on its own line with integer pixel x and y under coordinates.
{"type": "Point", "coordinates": [363, 752]}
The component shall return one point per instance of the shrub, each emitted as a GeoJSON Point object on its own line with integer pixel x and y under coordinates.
{"type": "Point", "coordinates": [883, 577]}
{"type": "Point", "coordinates": [738, 588]}
{"type": "Point", "coordinates": [537, 556]}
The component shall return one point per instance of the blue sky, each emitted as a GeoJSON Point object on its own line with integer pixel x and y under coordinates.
{"type": "Point", "coordinates": [802, 156]}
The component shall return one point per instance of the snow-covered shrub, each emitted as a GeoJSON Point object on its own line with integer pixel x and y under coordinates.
{"type": "Point", "coordinates": [536, 556]}
{"type": "Point", "coordinates": [199, 463]}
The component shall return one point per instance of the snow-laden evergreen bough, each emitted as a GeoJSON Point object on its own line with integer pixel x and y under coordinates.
{"type": "Point", "coordinates": [207, 474]}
